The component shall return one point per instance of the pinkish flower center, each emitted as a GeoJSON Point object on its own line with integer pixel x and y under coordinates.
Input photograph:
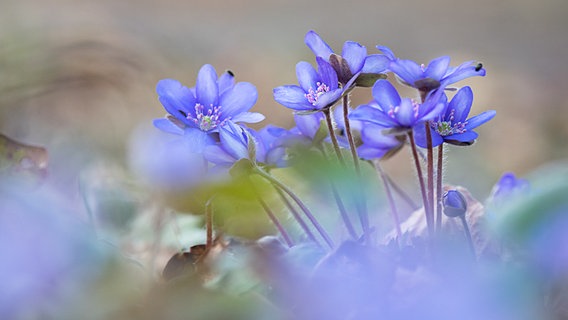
{"type": "Point", "coordinates": [207, 119]}
{"type": "Point", "coordinates": [448, 127]}
{"type": "Point", "coordinates": [313, 95]}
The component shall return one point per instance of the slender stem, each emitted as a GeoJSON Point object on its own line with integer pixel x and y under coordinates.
{"type": "Point", "coordinates": [390, 198]}
{"type": "Point", "coordinates": [439, 177]}
{"type": "Point", "coordinates": [209, 223]}
{"type": "Point", "coordinates": [299, 202]}
{"type": "Point", "coordinates": [430, 168]}
{"type": "Point", "coordinates": [352, 146]}
{"type": "Point", "coordinates": [329, 121]}
{"type": "Point", "coordinates": [339, 202]}
{"type": "Point", "coordinates": [468, 236]}
{"type": "Point", "coordinates": [402, 193]}
{"type": "Point", "coordinates": [420, 180]}
{"type": "Point", "coordinates": [275, 221]}
{"type": "Point", "coordinates": [297, 216]}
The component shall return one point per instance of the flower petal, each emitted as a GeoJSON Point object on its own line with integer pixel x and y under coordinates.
{"type": "Point", "coordinates": [292, 97]}
{"type": "Point", "coordinates": [233, 140]}
{"type": "Point", "coordinates": [198, 139]}
{"type": "Point", "coordinates": [327, 74]}
{"type": "Point", "coordinates": [387, 52]}
{"type": "Point", "coordinates": [309, 124]}
{"type": "Point", "coordinates": [407, 70]}
{"type": "Point", "coordinates": [376, 63]}
{"type": "Point", "coordinates": [467, 136]}
{"type": "Point", "coordinates": [385, 94]}
{"type": "Point", "coordinates": [317, 45]}
{"type": "Point", "coordinates": [206, 88]}
{"type": "Point", "coordinates": [464, 70]}
{"type": "Point", "coordinates": [371, 152]}
{"type": "Point", "coordinates": [307, 76]}
{"type": "Point", "coordinates": [237, 100]}
{"type": "Point", "coordinates": [175, 97]}
{"type": "Point", "coordinates": [167, 126]}
{"type": "Point", "coordinates": [328, 99]}
{"type": "Point", "coordinates": [355, 54]}
{"type": "Point", "coordinates": [420, 136]}
{"type": "Point", "coordinates": [215, 154]}
{"type": "Point", "coordinates": [406, 115]}
{"type": "Point", "coordinates": [373, 115]}
{"type": "Point", "coordinates": [248, 117]}
{"type": "Point", "coordinates": [226, 81]}
{"type": "Point", "coordinates": [437, 68]}
{"type": "Point", "coordinates": [479, 119]}
{"type": "Point", "coordinates": [461, 103]}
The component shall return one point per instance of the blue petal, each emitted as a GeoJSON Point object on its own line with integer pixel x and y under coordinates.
{"type": "Point", "coordinates": [198, 140]}
{"type": "Point", "coordinates": [427, 112]}
{"type": "Point", "coordinates": [479, 119]}
{"type": "Point", "coordinates": [292, 97]}
{"type": "Point", "coordinates": [461, 103]}
{"type": "Point", "coordinates": [248, 117]}
{"type": "Point", "coordinates": [328, 99]}
{"type": "Point", "coordinates": [376, 63]}
{"type": "Point", "coordinates": [387, 52]}
{"type": "Point", "coordinates": [317, 45]}
{"type": "Point", "coordinates": [307, 76]}
{"type": "Point", "coordinates": [407, 70]}
{"type": "Point", "coordinates": [175, 97]}
{"type": "Point", "coordinates": [373, 115]}
{"type": "Point", "coordinates": [206, 88]}
{"type": "Point", "coordinates": [327, 73]}
{"type": "Point", "coordinates": [233, 140]}
{"type": "Point", "coordinates": [370, 152]}
{"type": "Point", "coordinates": [405, 115]}
{"type": "Point", "coordinates": [225, 82]}
{"type": "Point", "coordinates": [463, 71]}
{"type": "Point", "coordinates": [237, 100]}
{"type": "Point", "coordinates": [354, 54]}
{"type": "Point", "coordinates": [308, 125]}
{"type": "Point", "coordinates": [167, 126]}
{"type": "Point", "coordinates": [467, 136]}
{"type": "Point", "coordinates": [215, 154]}
{"type": "Point", "coordinates": [437, 68]}
{"type": "Point", "coordinates": [420, 136]}
{"type": "Point", "coordinates": [372, 135]}
{"type": "Point", "coordinates": [385, 94]}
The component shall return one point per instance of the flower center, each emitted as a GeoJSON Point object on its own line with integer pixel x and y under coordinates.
{"type": "Point", "coordinates": [446, 128]}
{"type": "Point", "coordinates": [207, 120]}
{"type": "Point", "coordinates": [313, 95]}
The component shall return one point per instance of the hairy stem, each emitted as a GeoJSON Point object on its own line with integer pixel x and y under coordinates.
{"type": "Point", "coordinates": [439, 177]}
{"type": "Point", "coordinates": [430, 168]}
{"type": "Point", "coordinates": [329, 122]}
{"type": "Point", "coordinates": [299, 202]}
{"type": "Point", "coordinates": [274, 219]}
{"type": "Point", "coordinates": [468, 236]}
{"type": "Point", "coordinates": [297, 216]}
{"type": "Point", "coordinates": [352, 146]}
{"type": "Point", "coordinates": [420, 180]}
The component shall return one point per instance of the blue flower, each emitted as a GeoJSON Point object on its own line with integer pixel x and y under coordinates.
{"type": "Point", "coordinates": [437, 74]}
{"type": "Point", "coordinates": [452, 125]}
{"type": "Point", "coordinates": [508, 185]}
{"type": "Point", "coordinates": [236, 143]}
{"type": "Point", "coordinates": [271, 145]}
{"type": "Point", "coordinates": [376, 144]}
{"type": "Point", "coordinates": [391, 111]}
{"type": "Point", "coordinates": [318, 90]}
{"type": "Point", "coordinates": [209, 105]}
{"type": "Point", "coordinates": [353, 60]}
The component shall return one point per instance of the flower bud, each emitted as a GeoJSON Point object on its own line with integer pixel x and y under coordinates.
{"type": "Point", "coordinates": [455, 204]}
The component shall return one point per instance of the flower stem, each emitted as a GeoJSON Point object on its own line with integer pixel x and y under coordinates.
{"type": "Point", "coordinates": [468, 236]}
{"type": "Point", "coordinates": [329, 121]}
{"type": "Point", "coordinates": [297, 216]}
{"type": "Point", "coordinates": [430, 168]}
{"type": "Point", "coordinates": [392, 204]}
{"type": "Point", "coordinates": [352, 146]}
{"type": "Point", "coordinates": [420, 180]}
{"type": "Point", "coordinates": [209, 223]}
{"type": "Point", "coordinates": [439, 177]}
{"type": "Point", "coordinates": [339, 202]}
{"type": "Point", "coordinates": [299, 202]}
{"type": "Point", "coordinates": [273, 218]}
{"type": "Point", "coordinates": [413, 206]}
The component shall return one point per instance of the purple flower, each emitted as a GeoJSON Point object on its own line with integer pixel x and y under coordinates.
{"type": "Point", "coordinates": [391, 111]}
{"type": "Point", "coordinates": [437, 74]}
{"type": "Point", "coordinates": [271, 147]}
{"type": "Point", "coordinates": [452, 126]}
{"type": "Point", "coordinates": [353, 60]}
{"type": "Point", "coordinates": [508, 185]}
{"type": "Point", "coordinates": [209, 105]}
{"type": "Point", "coordinates": [376, 144]}
{"type": "Point", "coordinates": [235, 144]}
{"type": "Point", "coordinates": [318, 90]}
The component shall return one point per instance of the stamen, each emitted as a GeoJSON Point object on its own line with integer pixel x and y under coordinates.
{"type": "Point", "coordinates": [208, 120]}
{"type": "Point", "coordinates": [446, 128]}
{"type": "Point", "coordinates": [313, 95]}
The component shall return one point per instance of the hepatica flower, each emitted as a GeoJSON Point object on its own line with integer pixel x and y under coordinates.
{"type": "Point", "coordinates": [391, 111]}
{"type": "Point", "coordinates": [235, 144]}
{"type": "Point", "coordinates": [317, 90]}
{"type": "Point", "coordinates": [375, 143]}
{"type": "Point", "coordinates": [208, 106]}
{"type": "Point", "coordinates": [437, 73]}
{"type": "Point", "coordinates": [452, 126]}
{"type": "Point", "coordinates": [353, 60]}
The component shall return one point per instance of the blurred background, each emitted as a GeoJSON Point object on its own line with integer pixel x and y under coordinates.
{"type": "Point", "coordinates": [78, 77]}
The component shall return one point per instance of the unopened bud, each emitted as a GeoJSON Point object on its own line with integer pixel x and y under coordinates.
{"type": "Point", "coordinates": [455, 204]}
